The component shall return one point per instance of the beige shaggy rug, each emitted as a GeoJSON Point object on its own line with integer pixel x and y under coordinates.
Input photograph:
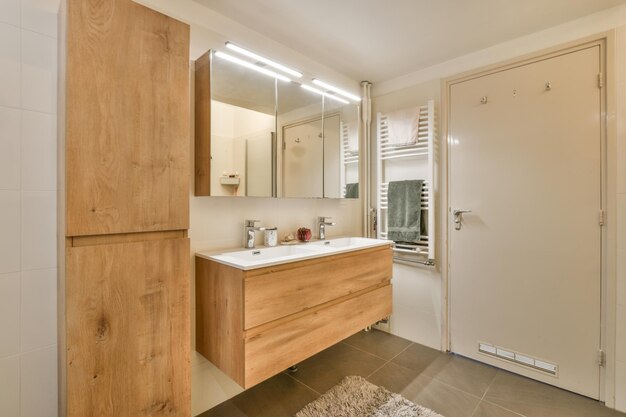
{"type": "Point", "coordinates": [355, 397]}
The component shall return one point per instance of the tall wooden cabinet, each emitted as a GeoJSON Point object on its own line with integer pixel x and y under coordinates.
{"type": "Point", "coordinates": [124, 315]}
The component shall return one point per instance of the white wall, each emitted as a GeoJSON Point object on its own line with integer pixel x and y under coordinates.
{"type": "Point", "coordinates": [414, 313]}
{"type": "Point", "coordinates": [417, 289]}
{"type": "Point", "coordinates": [28, 360]}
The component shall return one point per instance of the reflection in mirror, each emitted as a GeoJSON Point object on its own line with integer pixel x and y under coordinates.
{"type": "Point", "coordinates": [341, 149]}
{"type": "Point", "coordinates": [243, 126]}
{"type": "Point", "coordinates": [301, 159]}
{"type": "Point", "coordinates": [262, 135]}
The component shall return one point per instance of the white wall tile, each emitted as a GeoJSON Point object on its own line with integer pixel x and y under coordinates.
{"type": "Point", "coordinates": [39, 69]}
{"type": "Point", "coordinates": [10, 12]}
{"type": "Point", "coordinates": [9, 231]}
{"type": "Point", "coordinates": [620, 386]}
{"type": "Point", "coordinates": [39, 151]}
{"type": "Point", "coordinates": [38, 374]}
{"type": "Point", "coordinates": [9, 66]}
{"type": "Point", "coordinates": [40, 16]}
{"type": "Point", "coordinates": [10, 387]}
{"type": "Point", "coordinates": [9, 148]}
{"type": "Point", "coordinates": [39, 230]}
{"type": "Point", "coordinates": [9, 314]}
{"type": "Point", "coordinates": [38, 308]}
{"type": "Point", "coordinates": [620, 336]}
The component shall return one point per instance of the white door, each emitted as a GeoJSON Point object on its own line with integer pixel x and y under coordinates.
{"type": "Point", "coordinates": [303, 160]}
{"type": "Point", "coordinates": [525, 267]}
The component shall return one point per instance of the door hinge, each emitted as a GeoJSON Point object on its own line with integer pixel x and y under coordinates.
{"type": "Point", "coordinates": [601, 358]}
{"type": "Point", "coordinates": [602, 218]}
{"type": "Point", "coordinates": [600, 80]}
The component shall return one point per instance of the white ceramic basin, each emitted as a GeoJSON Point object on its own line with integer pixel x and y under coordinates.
{"type": "Point", "coordinates": [264, 256]}
{"type": "Point", "coordinates": [344, 242]}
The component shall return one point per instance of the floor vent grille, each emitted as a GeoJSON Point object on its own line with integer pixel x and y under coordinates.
{"type": "Point", "coordinates": [518, 358]}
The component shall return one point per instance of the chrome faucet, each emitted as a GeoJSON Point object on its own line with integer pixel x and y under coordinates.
{"type": "Point", "coordinates": [250, 234]}
{"type": "Point", "coordinates": [322, 220]}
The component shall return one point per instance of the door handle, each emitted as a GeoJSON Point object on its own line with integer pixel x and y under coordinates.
{"type": "Point", "coordinates": [458, 217]}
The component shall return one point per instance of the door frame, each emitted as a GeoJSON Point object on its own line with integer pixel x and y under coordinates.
{"type": "Point", "coordinates": [606, 42]}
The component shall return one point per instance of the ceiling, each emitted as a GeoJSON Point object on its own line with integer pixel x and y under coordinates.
{"type": "Point", "coordinates": [379, 40]}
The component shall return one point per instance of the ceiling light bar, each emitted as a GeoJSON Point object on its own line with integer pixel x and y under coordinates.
{"type": "Point", "coordinates": [264, 60]}
{"type": "Point", "coordinates": [251, 66]}
{"type": "Point", "coordinates": [321, 93]}
{"type": "Point", "coordinates": [336, 90]}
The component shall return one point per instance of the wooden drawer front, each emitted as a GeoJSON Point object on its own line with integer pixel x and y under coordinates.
{"type": "Point", "coordinates": [275, 292]}
{"type": "Point", "coordinates": [276, 349]}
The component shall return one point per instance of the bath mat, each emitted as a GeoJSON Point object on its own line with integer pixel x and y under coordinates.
{"type": "Point", "coordinates": [355, 397]}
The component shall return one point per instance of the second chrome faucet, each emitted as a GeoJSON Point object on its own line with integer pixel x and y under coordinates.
{"type": "Point", "coordinates": [323, 222]}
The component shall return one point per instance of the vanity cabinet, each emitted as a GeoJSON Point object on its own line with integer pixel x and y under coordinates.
{"type": "Point", "coordinates": [253, 324]}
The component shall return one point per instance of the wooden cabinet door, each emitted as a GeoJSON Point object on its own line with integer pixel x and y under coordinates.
{"type": "Point", "coordinates": [128, 329]}
{"type": "Point", "coordinates": [126, 119]}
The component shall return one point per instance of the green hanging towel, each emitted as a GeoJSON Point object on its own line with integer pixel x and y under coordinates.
{"type": "Point", "coordinates": [352, 190]}
{"type": "Point", "coordinates": [404, 210]}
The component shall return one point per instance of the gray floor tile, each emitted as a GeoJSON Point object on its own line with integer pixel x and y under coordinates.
{"type": "Point", "coordinates": [426, 391]}
{"type": "Point", "coordinates": [324, 370]}
{"type": "Point", "coordinates": [381, 344]}
{"type": "Point", "coordinates": [225, 409]}
{"type": "Point", "coordinates": [418, 357]}
{"type": "Point", "coordinates": [394, 377]}
{"type": "Point", "coordinates": [462, 373]}
{"type": "Point", "coordinates": [279, 396]}
{"type": "Point", "coordinates": [487, 409]}
{"type": "Point", "coordinates": [535, 399]}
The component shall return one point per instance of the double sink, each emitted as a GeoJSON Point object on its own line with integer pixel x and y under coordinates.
{"type": "Point", "coordinates": [269, 256]}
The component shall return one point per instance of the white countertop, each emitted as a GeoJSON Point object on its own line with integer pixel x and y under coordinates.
{"type": "Point", "coordinates": [262, 256]}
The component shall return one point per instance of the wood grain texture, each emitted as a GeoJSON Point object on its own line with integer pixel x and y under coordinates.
{"type": "Point", "coordinates": [281, 347]}
{"type": "Point", "coordinates": [275, 292]}
{"type": "Point", "coordinates": [202, 125]}
{"type": "Point", "coordinates": [127, 119]}
{"type": "Point", "coordinates": [128, 329]}
{"type": "Point", "coordinates": [219, 316]}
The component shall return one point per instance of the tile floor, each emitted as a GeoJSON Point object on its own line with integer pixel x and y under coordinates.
{"type": "Point", "coordinates": [451, 385]}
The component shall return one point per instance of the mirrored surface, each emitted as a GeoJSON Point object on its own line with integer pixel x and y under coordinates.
{"type": "Point", "coordinates": [243, 128]}
{"type": "Point", "coordinates": [271, 138]}
{"type": "Point", "coordinates": [341, 149]}
{"type": "Point", "coordinates": [300, 130]}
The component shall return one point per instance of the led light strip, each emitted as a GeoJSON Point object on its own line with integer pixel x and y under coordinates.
{"type": "Point", "coordinates": [264, 60]}
{"type": "Point", "coordinates": [251, 66]}
{"type": "Point", "coordinates": [336, 90]}
{"type": "Point", "coordinates": [322, 93]}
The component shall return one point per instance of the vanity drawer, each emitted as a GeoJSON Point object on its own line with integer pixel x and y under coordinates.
{"type": "Point", "coordinates": [275, 292]}
{"type": "Point", "coordinates": [270, 351]}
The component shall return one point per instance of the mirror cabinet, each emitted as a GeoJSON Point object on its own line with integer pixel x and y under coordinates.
{"type": "Point", "coordinates": [258, 136]}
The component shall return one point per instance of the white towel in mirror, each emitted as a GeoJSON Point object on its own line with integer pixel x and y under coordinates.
{"type": "Point", "coordinates": [403, 126]}
{"type": "Point", "coordinates": [353, 137]}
